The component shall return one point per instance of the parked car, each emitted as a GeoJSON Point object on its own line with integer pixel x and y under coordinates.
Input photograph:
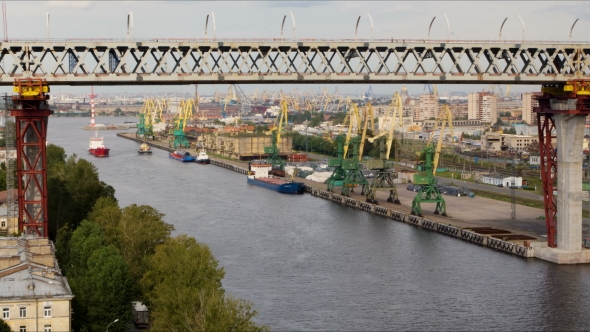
{"type": "Point", "coordinates": [500, 185]}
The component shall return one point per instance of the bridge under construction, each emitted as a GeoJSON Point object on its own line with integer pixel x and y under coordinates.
{"type": "Point", "coordinates": [262, 61]}
{"type": "Point", "coordinates": [563, 68]}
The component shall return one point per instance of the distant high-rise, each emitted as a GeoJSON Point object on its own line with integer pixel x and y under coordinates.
{"type": "Point", "coordinates": [528, 102]}
{"type": "Point", "coordinates": [482, 106]}
{"type": "Point", "coordinates": [428, 106]}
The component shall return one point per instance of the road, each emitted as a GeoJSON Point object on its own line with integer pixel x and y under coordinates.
{"type": "Point", "coordinates": [487, 187]}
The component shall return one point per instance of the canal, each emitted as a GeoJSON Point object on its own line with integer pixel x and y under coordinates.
{"type": "Point", "coordinates": [310, 264]}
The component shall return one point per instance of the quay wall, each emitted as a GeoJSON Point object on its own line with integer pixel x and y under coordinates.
{"type": "Point", "coordinates": [447, 229]}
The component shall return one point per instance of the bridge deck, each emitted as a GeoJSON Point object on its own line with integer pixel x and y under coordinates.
{"type": "Point", "coordinates": [190, 61]}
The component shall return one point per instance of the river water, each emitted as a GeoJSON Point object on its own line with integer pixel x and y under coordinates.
{"type": "Point", "coordinates": [309, 264]}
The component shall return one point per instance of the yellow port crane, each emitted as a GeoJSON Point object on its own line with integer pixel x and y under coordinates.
{"type": "Point", "coordinates": [354, 121]}
{"type": "Point", "coordinates": [368, 115]}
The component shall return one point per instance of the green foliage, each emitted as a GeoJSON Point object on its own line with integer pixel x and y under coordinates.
{"type": "Point", "coordinates": [316, 119]}
{"type": "Point", "coordinates": [511, 131]}
{"type": "Point", "coordinates": [506, 114]}
{"type": "Point", "coordinates": [135, 230]}
{"type": "Point", "coordinates": [261, 129]}
{"type": "Point", "coordinates": [100, 280]}
{"type": "Point", "coordinates": [338, 118]}
{"type": "Point", "coordinates": [473, 137]}
{"type": "Point", "coordinates": [300, 117]}
{"type": "Point", "coordinates": [183, 291]}
{"type": "Point", "coordinates": [4, 327]}
{"type": "Point", "coordinates": [314, 144]}
{"type": "Point", "coordinates": [74, 188]}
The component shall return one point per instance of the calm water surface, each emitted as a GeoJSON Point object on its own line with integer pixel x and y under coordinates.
{"type": "Point", "coordinates": [309, 264]}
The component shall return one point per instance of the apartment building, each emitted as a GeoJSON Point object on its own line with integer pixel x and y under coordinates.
{"type": "Point", "coordinates": [34, 296]}
{"type": "Point", "coordinates": [482, 106]}
{"type": "Point", "coordinates": [528, 102]}
{"type": "Point", "coordinates": [428, 107]}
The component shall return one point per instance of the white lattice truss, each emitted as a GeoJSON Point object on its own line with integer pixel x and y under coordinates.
{"type": "Point", "coordinates": [391, 61]}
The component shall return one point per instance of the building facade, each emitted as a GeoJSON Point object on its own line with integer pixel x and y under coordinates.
{"type": "Point", "coordinates": [428, 107]}
{"type": "Point", "coordinates": [34, 296]}
{"type": "Point", "coordinates": [498, 179]}
{"type": "Point", "coordinates": [494, 141]}
{"type": "Point", "coordinates": [482, 106]}
{"type": "Point", "coordinates": [528, 102]}
{"type": "Point", "coordinates": [243, 146]}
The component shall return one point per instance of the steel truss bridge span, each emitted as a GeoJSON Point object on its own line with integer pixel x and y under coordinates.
{"type": "Point", "coordinates": [112, 62]}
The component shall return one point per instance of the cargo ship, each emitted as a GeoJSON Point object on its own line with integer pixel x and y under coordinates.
{"type": "Point", "coordinates": [203, 158]}
{"type": "Point", "coordinates": [259, 175]}
{"type": "Point", "coordinates": [97, 147]}
{"type": "Point", "coordinates": [144, 149]}
{"type": "Point", "coordinates": [183, 156]}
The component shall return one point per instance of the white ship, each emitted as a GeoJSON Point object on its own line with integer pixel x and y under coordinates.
{"type": "Point", "coordinates": [203, 158]}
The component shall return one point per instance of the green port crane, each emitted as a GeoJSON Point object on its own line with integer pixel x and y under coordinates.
{"type": "Point", "coordinates": [353, 173]}
{"type": "Point", "coordinates": [428, 192]}
{"type": "Point", "coordinates": [338, 175]}
{"type": "Point", "coordinates": [146, 111]}
{"type": "Point", "coordinates": [384, 140]}
{"type": "Point", "coordinates": [186, 110]}
{"type": "Point", "coordinates": [273, 151]}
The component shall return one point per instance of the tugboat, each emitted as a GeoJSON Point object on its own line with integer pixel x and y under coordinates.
{"type": "Point", "coordinates": [183, 156]}
{"type": "Point", "coordinates": [144, 149]}
{"type": "Point", "coordinates": [97, 147]}
{"type": "Point", "coordinates": [203, 158]}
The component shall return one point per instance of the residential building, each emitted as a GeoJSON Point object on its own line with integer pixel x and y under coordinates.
{"type": "Point", "coordinates": [528, 102]}
{"type": "Point", "coordinates": [34, 296]}
{"type": "Point", "coordinates": [4, 153]}
{"type": "Point", "coordinates": [482, 106]}
{"type": "Point", "coordinates": [428, 106]}
{"type": "Point", "coordinates": [8, 225]}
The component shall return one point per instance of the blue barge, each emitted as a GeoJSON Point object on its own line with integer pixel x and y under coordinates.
{"type": "Point", "coordinates": [185, 157]}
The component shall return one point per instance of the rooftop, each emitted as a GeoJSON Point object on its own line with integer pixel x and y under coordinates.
{"type": "Point", "coordinates": [29, 270]}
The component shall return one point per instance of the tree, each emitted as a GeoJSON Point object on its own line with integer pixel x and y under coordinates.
{"type": "Point", "coordinates": [135, 230]}
{"type": "Point", "coordinates": [3, 326]}
{"type": "Point", "coordinates": [99, 278]}
{"type": "Point", "coordinates": [111, 285]}
{"type": "Point", "coordinates": [74, 188]}
{"type": "Point", "coordinates": [191, 297]}
{"type": "Point", "coordinates": [117, 111]}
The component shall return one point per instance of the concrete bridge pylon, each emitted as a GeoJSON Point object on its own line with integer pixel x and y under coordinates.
{"type": "Point", "coordinates": [561, 118]}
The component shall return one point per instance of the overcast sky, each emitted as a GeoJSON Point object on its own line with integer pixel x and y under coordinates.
{"type": "Point", "coordinates": [544, 20]}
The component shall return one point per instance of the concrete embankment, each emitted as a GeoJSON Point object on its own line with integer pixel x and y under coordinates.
{"type": "Point", "coordinates": [448, 226]}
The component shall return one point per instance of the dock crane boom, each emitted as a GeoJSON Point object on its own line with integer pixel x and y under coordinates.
{"type": "Point", "coordinates": [428, 192]}
{"type": "Point", "coordinates": [385, 177]}
{"type": "Point", "coordinates": [369, 115]}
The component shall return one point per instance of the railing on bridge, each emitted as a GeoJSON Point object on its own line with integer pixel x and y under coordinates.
{"type": "Point", "coordinates": [187, 61]}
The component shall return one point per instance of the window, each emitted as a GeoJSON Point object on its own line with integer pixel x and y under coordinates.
{"type": "Point", "coordinates": [23, 312]}
{"type": "Point", "coordinates": [47, 328]}
{"type": "Point", "coordinates": [48, 311]}
{"type": "Point", "coordinates": [5, 313]}
{"type": "Point", "coordinates": [3, 224]}
{"type": "Point", "coordinates": [23, 329]}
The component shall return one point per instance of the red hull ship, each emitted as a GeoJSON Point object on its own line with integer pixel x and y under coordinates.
{"type": "Point", "coordinates": [97, 147]}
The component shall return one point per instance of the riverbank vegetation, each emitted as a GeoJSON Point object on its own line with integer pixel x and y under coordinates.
{"type": "Point", "coordinates": [114, 255]}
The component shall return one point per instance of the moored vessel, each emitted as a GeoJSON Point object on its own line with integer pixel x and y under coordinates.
{"type": "Point", "coordinates": [259, 175]}
{"type": "Point", "coordinates": [203, 158]}
{"type": "Point", "coordinates": [97, 147]}
{"type": "Point", "coordinates": [183, 156]}
{"type": "Point", "coordinates": [144, 149]}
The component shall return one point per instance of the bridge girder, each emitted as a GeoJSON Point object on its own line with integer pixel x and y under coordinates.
{"type": "Point", "coordinates": [112, 62]}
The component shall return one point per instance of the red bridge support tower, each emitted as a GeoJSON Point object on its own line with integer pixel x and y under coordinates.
{"type": "Point", "coordinates": [560, 119]}
{"type": "Point", "coordinates": [31, 112]}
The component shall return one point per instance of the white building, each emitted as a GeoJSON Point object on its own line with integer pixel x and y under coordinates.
{"type": "Point", "coordinates": [497, 179]}
{"type": "Point", "coordinates": [482, 106]}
